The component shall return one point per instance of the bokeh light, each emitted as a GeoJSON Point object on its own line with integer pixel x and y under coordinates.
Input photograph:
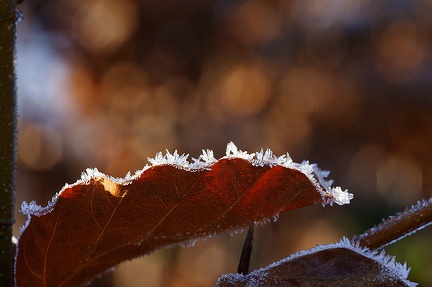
{"type": "Point", "coordinates": [346, 84]}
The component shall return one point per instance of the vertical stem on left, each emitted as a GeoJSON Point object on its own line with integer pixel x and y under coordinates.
{"type": "Point", "coordinates": [8, 121]}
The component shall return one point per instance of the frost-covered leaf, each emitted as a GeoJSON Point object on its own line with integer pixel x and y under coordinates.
{"type": "Point", "coordinates": [100, 221]}
{"type": "Point", "coordinates": [340, 264]}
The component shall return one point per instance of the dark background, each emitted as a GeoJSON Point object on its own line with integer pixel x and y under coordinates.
{"type": "Point", "coordinates": [346, 84]}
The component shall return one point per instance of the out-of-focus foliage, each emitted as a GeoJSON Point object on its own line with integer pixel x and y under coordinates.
{"type": "Point", "coordinates": [347, 84]}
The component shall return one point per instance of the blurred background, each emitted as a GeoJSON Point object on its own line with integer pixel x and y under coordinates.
{"type": "Point", "coordinates": [345, 84]}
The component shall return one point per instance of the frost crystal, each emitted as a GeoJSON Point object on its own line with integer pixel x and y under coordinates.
{"type": "Point", "coordinates": [389, 265]}
{"type": "Point", "coordinates": [205, 161]}
{"type": "Point", "coordinates": [174, 159]}
{"type": "Point", "coordinates": [34, 209]}
{"type": "Point", "coordinates": [263, 158]}
{"type": "Point", "coordinates": [341, 196]}
{"type": "Point", "coordinates": [316, 176]}
{"type": "Point", "coordinates": [233, 151]}
{"type": "Point", "coordinates": [389, 262]}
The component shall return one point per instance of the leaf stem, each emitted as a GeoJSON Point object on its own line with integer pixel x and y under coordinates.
{"type": "Point", "coordinates": [7, 138]}
{"type": "Point", "coordinates": [245, 257]}
{"type": "Point", "coordinates": [397, 227]}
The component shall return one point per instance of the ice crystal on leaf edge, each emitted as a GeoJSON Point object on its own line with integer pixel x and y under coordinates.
{"type": "Point", "coordinates": [394, 268]}
{"type": "Point", "coordinates": [205, 161]}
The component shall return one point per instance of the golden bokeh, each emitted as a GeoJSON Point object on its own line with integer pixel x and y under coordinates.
{"type": "Point", "coordinates": [346, 84]}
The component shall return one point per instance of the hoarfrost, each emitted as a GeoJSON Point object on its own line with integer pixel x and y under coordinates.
{"type": "Point", "coordinates": [234, 279]}
{"type": "Point", "coordinates": [168, 158]}
{"type": "Point", "coordinates": [205, 161]}
{"type": "Point", "coordinates": [90, 173]}
{"type": "Point", "coordinates": [389, 265]}
{"type": "Point", "coordinates": [263, 158]}
{"type": "Point", "coordinates": [414, 219]}
{"type": "Point", "coordinates": [341, 196]}
{"type": "Point", "coordinates": [233, 151]}
{"type": "Point", "coordinates": [208, 157]}
{"type": "Point", "coordinates": [389, 262]}
{"type": "Point", "coordinates": [316, 176]}
{"type": "Point", "coordinates": [189, 243]}
{"type": "Point", "coordinates": [267, 158]}
{"type": "Point", "coordinates": [35, 209]}
{"type": "Point", "coordinates": [128, 176]}
{"type": "Point", "coordinates": [94, 174]}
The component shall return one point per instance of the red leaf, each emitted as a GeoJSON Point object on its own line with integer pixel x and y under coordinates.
{"type": "Point", "coordinates": [100, 221]}
{"type": "Point", "coordinates": [340, 264]}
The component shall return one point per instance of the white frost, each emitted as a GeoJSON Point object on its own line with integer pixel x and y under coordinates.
{"type": "Point", "coordinates": [341, 196]}
{"type": "Point", "coordinates": [205, 161]}
{"type": "Point", "coordinates": [233, 151]}
{"type": "Point", "coordinates": [168, 158]}
{"type": "Point", "coordinates": [316, 176]}
{"type": "Point", "coordinates": [419, 208]}
{"type": "Point", "coordinates": [263, 158]}
{"type": "Point", "coordinates": [399, 270]}
{"type": "Point", "coordinates": [389, 265]}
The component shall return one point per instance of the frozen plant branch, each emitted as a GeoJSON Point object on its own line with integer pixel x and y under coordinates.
{"type": "Point", "coordinates": [7, 138]}
{"type": "Point", "coordinates": [397, 227]}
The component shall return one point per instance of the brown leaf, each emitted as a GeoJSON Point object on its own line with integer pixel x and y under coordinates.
{"type": "Point", "coordinates": [100, 221]}
{"type": "Point", "coordinates": [340, 264]}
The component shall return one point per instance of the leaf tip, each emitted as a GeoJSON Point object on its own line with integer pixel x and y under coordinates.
{"type": "Point", "coordinates": [340, 196]}
{"type": "Point", "coordinates": [389, 262]}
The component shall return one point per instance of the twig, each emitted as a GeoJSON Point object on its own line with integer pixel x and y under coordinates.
{"type": "Point", "coordinates": [397, 227]}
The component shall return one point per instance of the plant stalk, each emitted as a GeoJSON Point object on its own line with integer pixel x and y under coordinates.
{"type": "Point", "coordinates": [7, 138]}
{"type": "Point", "coordinates": [397, 227]}
{"type": "Point", "coordinates": [245, 257]}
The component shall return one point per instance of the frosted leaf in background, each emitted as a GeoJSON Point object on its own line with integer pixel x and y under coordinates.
{"type": "Point", "coordinates": [339, 264]}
